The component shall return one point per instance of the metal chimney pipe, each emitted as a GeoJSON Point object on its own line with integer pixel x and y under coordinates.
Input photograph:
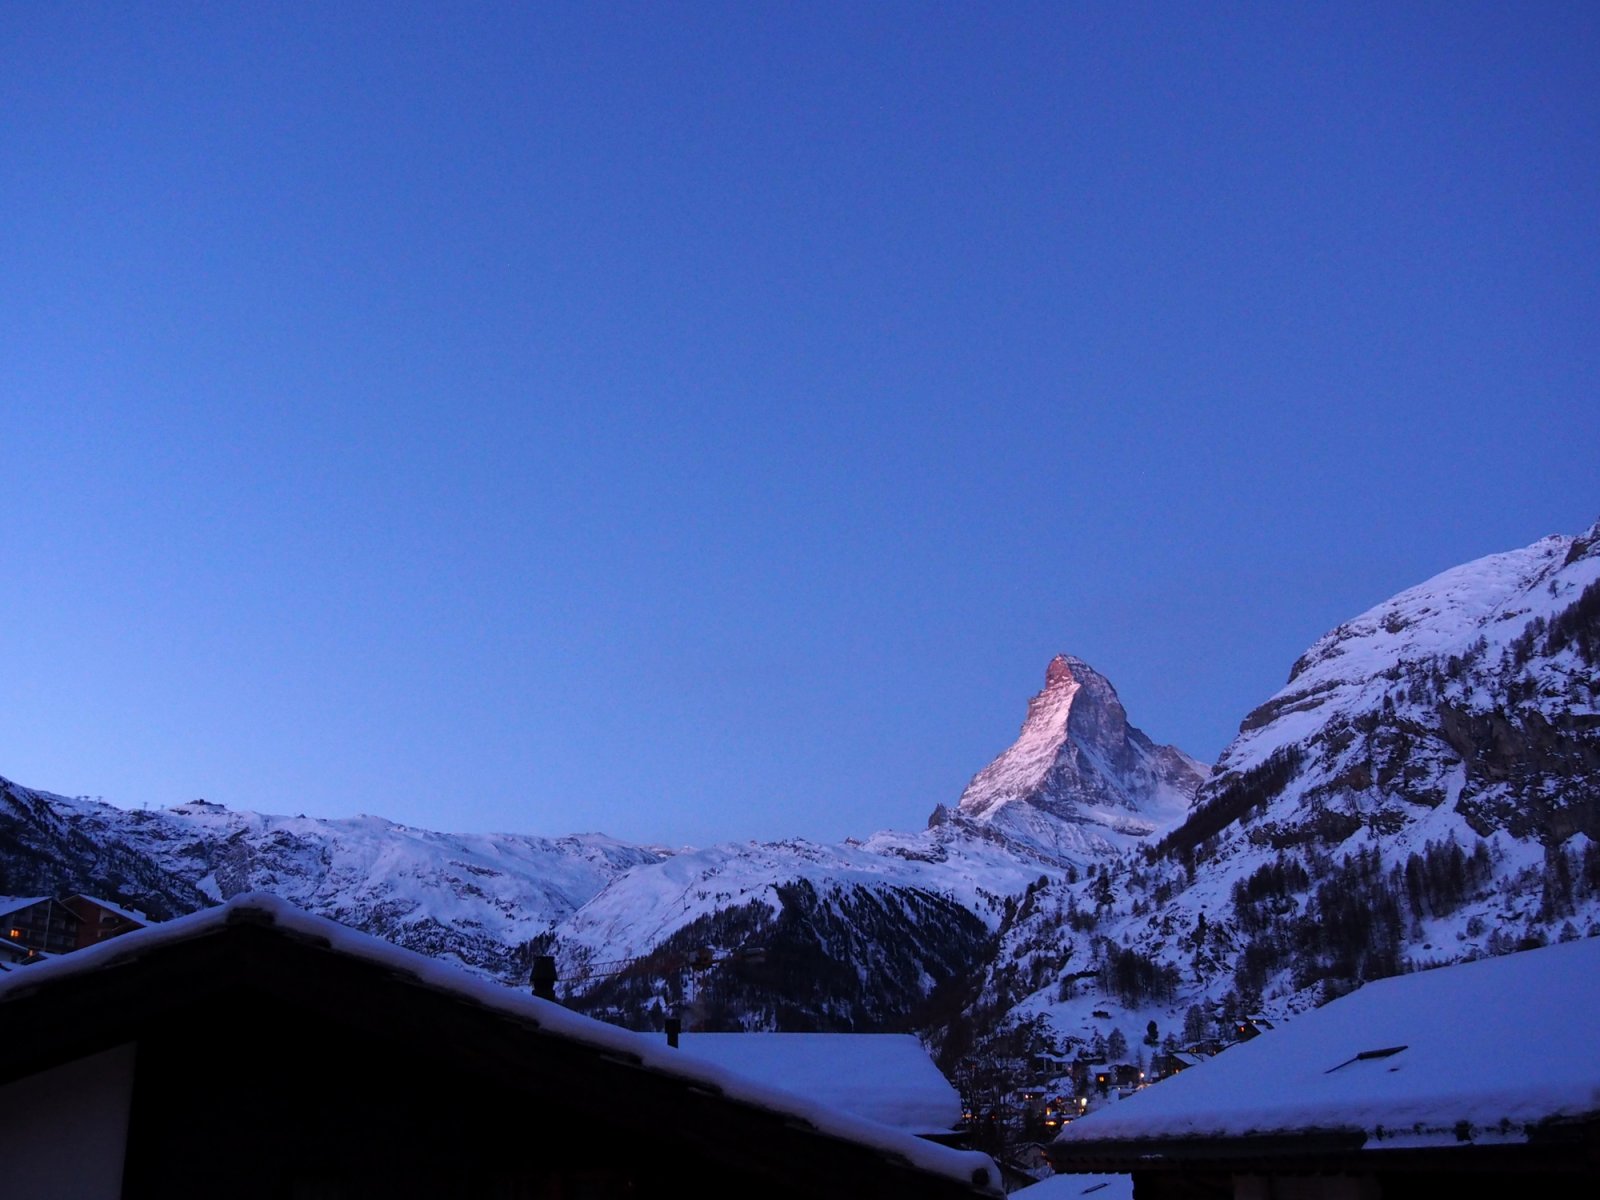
{"type": "Point", "coordinates": [544, 976]}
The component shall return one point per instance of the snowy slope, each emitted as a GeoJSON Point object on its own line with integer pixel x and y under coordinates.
{"type": "Point", "coordinates": [477, 898]}
{"type": "Point", "coordinates": [638, 910]}
{"type": "Point", "coordinates": [855, 936]}
{"type": "Point", "coordinates": [1079, 785]}
{"type": "Point", "coordinates": [1425, 788]}
{"type": "Point", "coordinates": [1350, 670]}
{"type": "Point", "coordinates": [1467, 704]}
{"type": "Point", "coordinates": [906, 910]}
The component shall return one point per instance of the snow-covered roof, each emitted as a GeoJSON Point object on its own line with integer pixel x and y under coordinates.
{"type": "Point", "coordinates": [1474, 1053]}
{"type": "Point", "coordinates": [1072, 1187]}
{"type": "Point", "coordinates": [11, 904]}
{"type": "Point", "coordinates": [887, 1077]}
{"type": "Point", "coordinates": [651, 1053]}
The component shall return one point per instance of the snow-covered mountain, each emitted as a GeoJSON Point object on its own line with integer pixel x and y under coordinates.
{"type": "Point", "coordinates": [1467, 703]}
{"type": "Point", "coordinates": [48, 848]}
{"type": "Point", "coordinates": [890, 918]}
{"type": "Point", "coordinates": [1079, 782]}
{"type": "Point", "coordinates": [850, 936]}
{"type": "Point", "coordinates": [477, 898]}
{"type": "Point", "coordinates": [1424, 789]}
{"type": "Point", "coordinates": [856, 935]}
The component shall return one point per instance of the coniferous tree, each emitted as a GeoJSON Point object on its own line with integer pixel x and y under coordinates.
{"type": "Point", "coordinates": [1117, 1046]}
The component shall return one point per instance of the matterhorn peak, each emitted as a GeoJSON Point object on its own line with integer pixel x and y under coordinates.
{"type": "Point", "coordinates": [1078, 760]}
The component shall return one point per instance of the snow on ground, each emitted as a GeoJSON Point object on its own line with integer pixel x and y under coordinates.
{"type": "Point", "coordinates": [885, 1076]}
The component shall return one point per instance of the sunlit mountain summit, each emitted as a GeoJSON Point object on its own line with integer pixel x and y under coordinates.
{"type": "Point", "coordinates": [1079, 779]}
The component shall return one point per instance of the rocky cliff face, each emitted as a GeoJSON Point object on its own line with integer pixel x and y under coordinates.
{"type": "Point", "coordinates": [1080, 781]}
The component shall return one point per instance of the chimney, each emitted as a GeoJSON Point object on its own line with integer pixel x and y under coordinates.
{"type": "Point", "coordinates": [674, 1028]}
{"type": "Point", "coordinates": [544, 976]}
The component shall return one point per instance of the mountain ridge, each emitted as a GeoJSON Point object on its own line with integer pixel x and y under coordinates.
{"type": "Point", "coordinates": [492, 901]}
{"type": "Point", "coordinates": [1425, 787]}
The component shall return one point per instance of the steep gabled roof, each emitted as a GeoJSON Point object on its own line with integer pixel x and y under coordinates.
{"type": "Point", "coordinates": [11, 904]}
{"type": "Point", "coordinates": [262, 948]}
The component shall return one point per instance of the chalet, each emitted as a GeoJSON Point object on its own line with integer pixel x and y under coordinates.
{"type": "Point", "coordinates": [1102, 1076]}
{"type": "Point", "coordinates": [254, 1051]}
{"type": "Point", "coordinates": [1249, 1027]}
{"type": "Point", "coordinates": [1481, 1078]}
{"type": "Point", "coordinates": [40, 923]}
{"type": "Point", "coordinates": [1031, 1161]}
{"type": "Point", "coordinates": [1171, 1062]}
{"type": "Point", "coordinates": [43, 925]}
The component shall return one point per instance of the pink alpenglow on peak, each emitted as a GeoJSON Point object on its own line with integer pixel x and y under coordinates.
{"type": "Point", "coordinates": [1079, 779]}
{"type": "Point", "coordinates": [1059, 671]}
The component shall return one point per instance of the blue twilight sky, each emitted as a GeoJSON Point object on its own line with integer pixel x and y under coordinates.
{"type": "Point", "coordinates": [704, 421]}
